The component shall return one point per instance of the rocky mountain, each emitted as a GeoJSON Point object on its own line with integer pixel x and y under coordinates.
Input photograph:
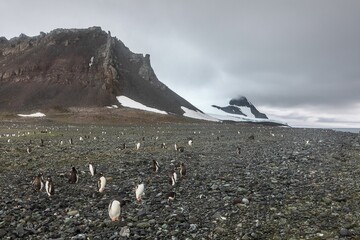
{"type": "Point", "coordinates": [241, 106]}
{"type": "Point", "coordinates": [78, 68]}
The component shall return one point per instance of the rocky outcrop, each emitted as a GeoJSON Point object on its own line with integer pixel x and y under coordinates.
{"type": "Point", "coordinates": [78, 67]}
{"type": "Point", "coordinates": [235, 105]}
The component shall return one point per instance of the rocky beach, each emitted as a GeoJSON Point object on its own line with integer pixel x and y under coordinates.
{"type": "Point", "coordinates": [283, 183]}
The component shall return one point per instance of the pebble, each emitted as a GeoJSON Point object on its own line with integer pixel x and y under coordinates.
{"type": "Point", "coordinates": [282, 179]}
{"type": "Point", "coordinates": [344, 232]}
{"type": "Point", "coordinates": [125, 231]}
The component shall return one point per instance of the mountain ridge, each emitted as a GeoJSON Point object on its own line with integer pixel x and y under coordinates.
{"type": "Point", "coordinates": [237, 105]}
{"type": "Point", "coordinates": [78, 68]}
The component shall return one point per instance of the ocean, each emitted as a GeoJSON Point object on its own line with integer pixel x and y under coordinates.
{"type": "Point", "coordinates": [352, 130]}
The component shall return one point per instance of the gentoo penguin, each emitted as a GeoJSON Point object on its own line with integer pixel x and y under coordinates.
{"type": "Point", "coordinates": [38, 182]}
{"type": "Point", "coordinates": [182, 169]}
{"type": "Point", "coordinates": [156, 166]}
{"type": "Point", "coordinates": [49, 186]}
{"type": "Point", "coordinates": [172, 178]}
{"type": "Point", "coordinates": [139, 191]}
{"type": "Point", "coordinates": [101, 183]}
{"type": "Point", "coordinates": [124, 146]}
{"type": "Point", "coordinates": [137, 146]}
{"type": "Point", "coordinates": [92, 169]}
{"type": "Point", "coordinates": [170, 196]}
{"type": "Point", "coordinates": [238, 150]}
{"type": "Point", "coordinates": [74, 178]}
{"type": "Point", "coordinates": [114, 210]}
{"type": "Point", "coordinates": [163, 146]}
{"type": "Point", "coordinates": [190, 142]}
{"type": "Point", "coordinates": [179, 149]}
{"type": "Point", "coordinates": [28, 149]}
{"type": "Point", "coordinates": [71, 141]}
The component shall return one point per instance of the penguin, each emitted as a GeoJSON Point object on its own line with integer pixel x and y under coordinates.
{"type": "Point", "coordinates": [182, 169]}
{"type": "Point", "coordinates": [156, 166]}
{"type": "Point", "coordinates": [190, 142]}
{"type": "Point", "coordinates": [137, 146]}
{"type": "Point", "coordinates": [101, 183]}
{"type": "Point", "coordinates": [172, 178]}
{"type": "Point", "coordinates": [92, 169]}
{"type": "Point", "coordinates": [139, 191]}
{"type": "Point", "coordinates": [238, 150]}
{"type": "Point", "coordinates": [49, 186]}
{"type": "Point", "coordinates": [124, 146]}
{"type": "Point", "coordinates": [74, 178]}
{"type": "Point", "coordinates": [174, 175]}
{"type": "Point", "coordinates": [179, 149]}
{"type": "Point", "coordinates": [71, 141]}
{"type": "Point", "coordinates": [28, 149]}
{"type": "Point", "coordinates": [114, 210]}
{"type": "Point", "coordinates": [171, 196]}
{"type": "Point", "coordinates": [38, 183]}
{"type": "Point", "coordinates": [81, 139]}
{"type": "Point", "coordinates": [163, 146]}
{"type": "Point", "coordinates": [41, 142]}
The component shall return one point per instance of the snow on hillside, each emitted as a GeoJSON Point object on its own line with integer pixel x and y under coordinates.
{"type": "Point", "coordinates": [127, 102]}
{"type": "Point", "coordinates": [38, 114]}
{"type": "Point", "coordinates": [216, 115]}
{"type": "Point", "coordinates": [224, 116]}
{"type": "Point", "coordinates": [198, 115]}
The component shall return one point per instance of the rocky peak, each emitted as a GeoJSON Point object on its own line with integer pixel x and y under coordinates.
{"type": "Point", "coordinates": [235, 107]}
{"type": "Point", "coordinates": [78, 67]}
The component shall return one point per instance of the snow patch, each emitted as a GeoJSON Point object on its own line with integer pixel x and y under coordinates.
{"type": "Point", "coordinates": [224, 116]}
{"type": "Point", "coordinates": [197, 115]}
{"type": "Point", "coordinates": [112, 106]}
{"type": "Point", "coordinates": [127, 102]}
{"type": "Point", "coordinates": [246, 110]}
{"type": "Point", "coordinates": [38, 114]}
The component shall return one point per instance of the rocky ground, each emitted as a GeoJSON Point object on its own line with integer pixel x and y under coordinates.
{"type": "Point", "coordinates": [279, 187]}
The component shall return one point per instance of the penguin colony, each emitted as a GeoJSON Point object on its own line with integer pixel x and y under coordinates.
{"type": "Point", "coordinates": [114, 208]}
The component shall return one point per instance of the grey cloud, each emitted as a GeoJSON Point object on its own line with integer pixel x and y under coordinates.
{"type": "Point", "coordinates": [280, 53]}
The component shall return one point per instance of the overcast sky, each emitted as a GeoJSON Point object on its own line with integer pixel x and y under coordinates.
{"type": "Point", "coordinates": [297, 61]}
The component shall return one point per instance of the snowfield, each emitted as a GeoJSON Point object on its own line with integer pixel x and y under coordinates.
{"type": "Point", "coordinates": [38, 114]}
{"type": "Point", "coordinates": [127, 102]}
{"type": "Point", "coordinates": [198, 115]}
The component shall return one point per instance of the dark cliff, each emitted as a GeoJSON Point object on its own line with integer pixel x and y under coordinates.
{"type": "Point", "coordinates": [81, 68]}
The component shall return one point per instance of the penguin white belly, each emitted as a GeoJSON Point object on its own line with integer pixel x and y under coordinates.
{"type": "Point", "coordinates": [102, 184]}
{"type": "Point", "coordinates": [114, 210]}
{"type": "Point", "coordinates": [91, 168]}
{"type": "Point", "coordinates": [139, 191]}
{"type": "Point", "coordinates": [48, 188]}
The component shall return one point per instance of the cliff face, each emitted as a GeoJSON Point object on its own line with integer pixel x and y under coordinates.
{"type": "Point", "coordinates": [78, 67]}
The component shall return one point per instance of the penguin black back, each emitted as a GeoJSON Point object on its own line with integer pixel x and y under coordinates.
{"type": "Point", "coordinates": [73, 176]}
{"type": "Point", "coordinates": [182, 169]}
{"type": "Point", "coordinates": [156, 166]}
